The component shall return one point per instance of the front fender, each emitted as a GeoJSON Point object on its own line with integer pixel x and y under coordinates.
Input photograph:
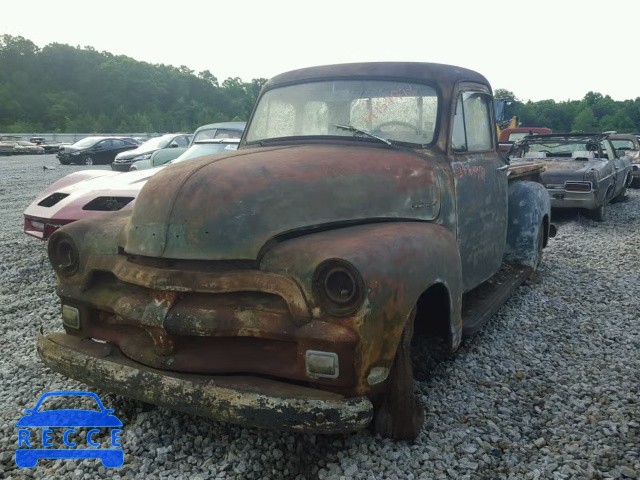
{"type": "Point", "coordinates": [528, 204]}
{"type": "Point", "coordinates": [398, 261]}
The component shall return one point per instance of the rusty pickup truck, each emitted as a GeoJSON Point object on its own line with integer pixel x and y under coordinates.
{"type": "Point", "coordinates": [280, 285]}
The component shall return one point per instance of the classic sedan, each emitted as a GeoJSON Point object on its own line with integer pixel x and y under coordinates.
{"type": "Point", "coordinates": [80, 195]}
{"type": "Point", "coordinates": [49, 146]}
{"type": "Point", "coordinates": [581, 170]}
{"type": "Point", "coordinates": [95, 150]}
{"type": "Point", "coordinates": [124, 160]}
{"type": "Point", "coordinates": [212, 138]}
{"type": "Point", "coordinates": [28, 148]}
{"type": "Point", "coordinates": [629, 146]}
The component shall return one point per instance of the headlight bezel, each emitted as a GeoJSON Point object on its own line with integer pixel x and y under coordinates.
{"type": "Point", "coordinates": [338, 287]}
{"type": "Point", "coordinates": [64, 254]}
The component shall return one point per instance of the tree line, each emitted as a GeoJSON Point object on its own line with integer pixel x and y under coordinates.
{"type": "Point", "coordinates": [594, 113]}
{"type": "Point", "coordinates": [65, 89]}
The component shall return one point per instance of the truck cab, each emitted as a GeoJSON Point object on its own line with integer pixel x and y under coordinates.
{"type": "Point", "coordinates": [280, 285]}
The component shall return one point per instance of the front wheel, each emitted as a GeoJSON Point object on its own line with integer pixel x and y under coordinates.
{"type": "Point", "coordinates": [87, 160]}
{"type": "Point", "coordinates": [400, 414]}
{"type": "Point", "coordinates": [635, 183]}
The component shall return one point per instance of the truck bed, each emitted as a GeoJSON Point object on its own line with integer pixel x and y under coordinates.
{"type": "Point", "coordinates": [525, 171]}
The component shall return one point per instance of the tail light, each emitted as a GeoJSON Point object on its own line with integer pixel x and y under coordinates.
{"type": "Point", "coordinates": [577, 186]}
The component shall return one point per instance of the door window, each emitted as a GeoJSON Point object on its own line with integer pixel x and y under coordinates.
{"type": "Point", "coordinates": [117, 143]}
{"type": "Point", "coordinates": [472, 130]}
{"type": "Point", "coordinates": [182, 141]}
{"type": "Point", "coordinates": [103, 145]}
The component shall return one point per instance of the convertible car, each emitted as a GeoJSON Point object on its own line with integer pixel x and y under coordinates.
{"type": "Point", "coordinates": [582, 170]}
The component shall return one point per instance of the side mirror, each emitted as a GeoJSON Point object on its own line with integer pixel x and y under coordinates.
{"type": "Point", "coordinates": [173, 145]}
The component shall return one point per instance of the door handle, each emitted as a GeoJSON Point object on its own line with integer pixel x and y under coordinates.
{"type": "Point", "coordinates": [504, 167]}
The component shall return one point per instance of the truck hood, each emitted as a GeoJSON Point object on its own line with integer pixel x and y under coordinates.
{"type": "Point", "coordinates": [228, 206]}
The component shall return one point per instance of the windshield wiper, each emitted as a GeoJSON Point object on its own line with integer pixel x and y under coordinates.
{"type": "Point", "coordinates": [353, 129]}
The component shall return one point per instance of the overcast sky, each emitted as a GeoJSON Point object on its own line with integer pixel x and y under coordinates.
{"type": "Point", "coordinates": [557, 49]}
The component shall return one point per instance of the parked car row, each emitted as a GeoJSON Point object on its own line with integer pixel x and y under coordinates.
{"type": "Point", "coordinates": [281, 285]}
{"type": "Point", "coordinates": [20, 147]}
{"type": "Point", "coordinates": [95, 150]}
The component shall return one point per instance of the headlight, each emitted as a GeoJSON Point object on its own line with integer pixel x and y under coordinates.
{"type": "Point", "coordinates": [141, 157]}
{"type": "Point", "coordinates": [75, 153]}
{"type": "Point", "coordinates": [338, 287]}
{"type": "Point", "coordinates": [63, 254]}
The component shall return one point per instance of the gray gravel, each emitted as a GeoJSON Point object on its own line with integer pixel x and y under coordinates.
{"type": "Point", "coordinates": [549, 389]}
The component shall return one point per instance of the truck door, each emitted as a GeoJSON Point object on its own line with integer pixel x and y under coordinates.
{"type": "Point", "coordinates": [480, 180]}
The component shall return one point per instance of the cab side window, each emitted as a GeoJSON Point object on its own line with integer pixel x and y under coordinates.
{"type": "Point", "coordinates": [472, 130]}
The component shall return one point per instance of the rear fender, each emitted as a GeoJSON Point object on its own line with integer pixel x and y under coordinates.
{"type": "Point", "coordinates": [398, 261]}
{"type": "Point", "coordinates": [529, 204]}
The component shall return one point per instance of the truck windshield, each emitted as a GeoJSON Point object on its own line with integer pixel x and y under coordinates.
{"type": "Point", "coordinates": [397, 111]}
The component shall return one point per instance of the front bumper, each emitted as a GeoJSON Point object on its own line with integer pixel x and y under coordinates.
{"type": "Point", "coordinates": [41, 228]}
{"type": "Point", "coordinates": [121, 167]}
{"type": "Point", "coordinates": [561, 198]}
{"type": "Point", "coordinates": [245, 400]}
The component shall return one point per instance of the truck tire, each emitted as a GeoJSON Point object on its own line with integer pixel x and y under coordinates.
{"type": "Point", "coordinates": [400, 415]}
{"type": "Point", "coordinates": [540, 245]}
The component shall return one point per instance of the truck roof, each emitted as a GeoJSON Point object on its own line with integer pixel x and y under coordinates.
{"type": "Point", "coordinates": [430, 72]}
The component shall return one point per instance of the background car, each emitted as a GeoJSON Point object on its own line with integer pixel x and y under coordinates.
{"type": "Point", "coordinates": [28, 148]}
{"type": "Point", "coordinates": [124, 160]}
{"type": "Point", "coordinates": [219, 130]}
{"type": "Point", "coordinates": [582, 170]}
{"type": "Point", "coordinates": [95, 150]}
{"type": "Point", "coordinates": [93, 192]}
{"type": "Point", "coordinates": [213, 131]}
{"type": "Point", "coordinates": [80, 195]}
{"type": "Point", "coordinates": [197, 149]}
{"type": "Point", "coordinates": [6, 148]}
{"type": "Point", "coordinates": [49, 147]}
{"type": "Point", "coordinates": [629, 146]}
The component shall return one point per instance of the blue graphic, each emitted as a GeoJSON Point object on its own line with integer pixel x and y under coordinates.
{"type": "Point", "coordinates": [28, 457]}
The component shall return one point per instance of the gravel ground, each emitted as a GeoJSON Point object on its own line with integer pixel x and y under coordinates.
{"type": "Point", "coordinates": [549, 388]}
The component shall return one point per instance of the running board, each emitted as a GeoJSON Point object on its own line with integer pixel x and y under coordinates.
{"type": "Point", "coordinates": [481, 303]}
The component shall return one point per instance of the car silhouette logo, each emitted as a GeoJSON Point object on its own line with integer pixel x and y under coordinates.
{"type": "Point", "coordinates": [69, 420]}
